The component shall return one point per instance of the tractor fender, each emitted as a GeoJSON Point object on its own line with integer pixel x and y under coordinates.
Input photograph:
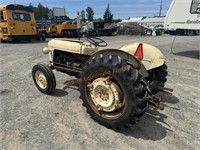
{"type": "Point", "coordinates": [152, 56]}
{"type": "Point", "coordinates": [124, 55]}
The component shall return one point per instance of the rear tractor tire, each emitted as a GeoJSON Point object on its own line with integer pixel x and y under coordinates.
{"type": "Point", "coordinates": [43, 78]}
{"type": "Point", "coordinates": [112, 91]}
{"type": "Point", "coordinates": [158, 77]}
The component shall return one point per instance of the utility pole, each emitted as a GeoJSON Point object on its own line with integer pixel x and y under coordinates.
{"type": "Point", "coordinates": [78, 25]}
{"type": "Point", "coordinates": [160, 8]}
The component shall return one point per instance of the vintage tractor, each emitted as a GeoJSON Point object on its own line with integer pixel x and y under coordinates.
{"type": "Point", "coordinates": [116, 85]}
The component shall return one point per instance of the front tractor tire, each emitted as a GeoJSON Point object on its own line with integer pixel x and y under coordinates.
{"type": "Point", "coordinates": [43, 78]}
{"type": "Point", "coordinates": [112, 91]}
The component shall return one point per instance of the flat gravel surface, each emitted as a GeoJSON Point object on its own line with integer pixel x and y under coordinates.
{"type": "Point", "coordinates": [31, 120]}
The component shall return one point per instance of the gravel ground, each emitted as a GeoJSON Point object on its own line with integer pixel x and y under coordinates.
{"type": "Point", "coordinates": [31, 120]}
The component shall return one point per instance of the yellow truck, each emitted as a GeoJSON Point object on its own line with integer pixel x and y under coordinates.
{"type": "Point", "coordinates": [17, 23]}
{"type": "Point", "coordinates": [64, 29]}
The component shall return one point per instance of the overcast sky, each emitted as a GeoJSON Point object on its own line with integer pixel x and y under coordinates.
{"type": "Point", "coordinates": [120, 8]}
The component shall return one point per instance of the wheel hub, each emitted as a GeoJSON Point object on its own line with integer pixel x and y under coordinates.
{"type": "Point", "coordinates": [41, 79]}
{"type": "Point", "coordinates": [105, 94]}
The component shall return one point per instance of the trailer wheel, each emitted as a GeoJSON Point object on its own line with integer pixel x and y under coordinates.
{"type": "Point", "coordinates": [158, 77]}
{"type": "Point", "coordinates": [2, 41]}
{"type": "Point", "coordinates": [172, 32]}
{"type": "Point", "coordinates": [76, 34]}
{"type": "Point", "coordinates": [37, 38]}
{"type": "Point", "coordinates": [112, 91]}
{"type": "Point", "coordinates": [149, 32]}
{"type": "Point", "coordinates": [43, 37]}
{"type": "Point", "coordinates": [43, 78]}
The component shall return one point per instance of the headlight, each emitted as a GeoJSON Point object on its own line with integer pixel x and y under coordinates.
{"type": "Point", "coordinates": [45, 50]}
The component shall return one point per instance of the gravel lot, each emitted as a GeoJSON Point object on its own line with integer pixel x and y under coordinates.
{"type": "Point", "coordinates": [31, 120]}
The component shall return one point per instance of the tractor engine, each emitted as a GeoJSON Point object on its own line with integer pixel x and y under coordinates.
{"type": "Point", "coordinates": [69, 63]}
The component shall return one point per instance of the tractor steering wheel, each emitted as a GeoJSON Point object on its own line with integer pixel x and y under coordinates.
{"type": "Point", "coordinates": [96, 41]}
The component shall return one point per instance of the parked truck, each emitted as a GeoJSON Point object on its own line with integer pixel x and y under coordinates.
{"type": "Point", "coordinates": [183, 17]}
{"type": "Point", "coordinates": [64, 29]}
{"type": "Point", "coordinates": [98, 29]}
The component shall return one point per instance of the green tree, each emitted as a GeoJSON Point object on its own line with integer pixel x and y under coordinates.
{"type": "Point", "coordinates": [117, 20]}
{"type": "Point", "coordinates": [98, 20]}
{"type": "Point", "coordinates": [40, 11]}
{"type": "Point", "coordinates": [90, 13]}
{"type": "Point", "coordinates": [108, 16]}
{"type": "Point", "coordinates": [31, 6]}
{"type": "Point", "coordinates": [83, 16]}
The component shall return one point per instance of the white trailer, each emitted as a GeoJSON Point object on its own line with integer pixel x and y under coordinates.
{"type": "Point", "coordinates": [183, 17]}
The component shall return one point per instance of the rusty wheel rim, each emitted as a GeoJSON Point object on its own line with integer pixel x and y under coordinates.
{"type": "Point", "coordinates": [105, 97]}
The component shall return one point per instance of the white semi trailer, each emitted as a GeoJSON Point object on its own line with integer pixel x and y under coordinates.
{"type": "Point", "coordinates": [183, 17]}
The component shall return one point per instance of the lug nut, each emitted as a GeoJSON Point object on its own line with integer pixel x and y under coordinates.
{"type": "Point", "coordinates": [90, 86]}
{"type": "Point", "coordinates": [99, 108]}
{"type": "Point", "coordinates": [118, 104]}
{"type": "Point", "coordinates": [108, 81]}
